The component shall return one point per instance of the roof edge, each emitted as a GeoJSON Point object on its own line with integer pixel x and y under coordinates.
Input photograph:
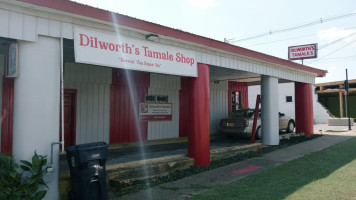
{"type": "Point", "coordinates": [100, 14]}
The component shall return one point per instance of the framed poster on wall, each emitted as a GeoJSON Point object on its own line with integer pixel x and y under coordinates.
{"type": "Point", "coordinates": [155, 111]}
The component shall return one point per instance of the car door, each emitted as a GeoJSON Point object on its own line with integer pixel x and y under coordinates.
{"type": "Point", "coordinates": [283, 121]}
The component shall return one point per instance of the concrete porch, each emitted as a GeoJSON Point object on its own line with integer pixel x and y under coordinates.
{"type": "Point", "coordinates": [129, 163]}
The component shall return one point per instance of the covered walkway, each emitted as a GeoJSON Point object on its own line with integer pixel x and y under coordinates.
{"type": "Point", "coordinates": [131, 162]}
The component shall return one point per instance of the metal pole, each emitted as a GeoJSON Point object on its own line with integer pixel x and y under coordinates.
{"type": "Point", "coordinates": [348, 106]}
{"type": "Point", "coordinates": [62, 97]}
{"type": "Point", "coordinates": [257, 108]}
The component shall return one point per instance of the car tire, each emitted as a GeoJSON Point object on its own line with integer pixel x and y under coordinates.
{"type": "Point", "coordinates": [258, 133]}
{"type": "Point", "coordinates": [290, 127]}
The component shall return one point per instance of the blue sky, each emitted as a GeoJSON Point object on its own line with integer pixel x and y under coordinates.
{"type": "Point", "coordinates": [240, 19]}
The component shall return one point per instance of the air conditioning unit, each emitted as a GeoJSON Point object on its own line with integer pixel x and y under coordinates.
{"type": "Point", "coordinates": [12, 61]}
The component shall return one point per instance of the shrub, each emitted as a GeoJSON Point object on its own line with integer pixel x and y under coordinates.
{"type": "Point", "coordinates": [22, 181]}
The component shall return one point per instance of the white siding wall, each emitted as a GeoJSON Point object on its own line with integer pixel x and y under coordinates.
{"type": "Point", "coordinates": [218, 104]}
{"type": "Point", "coordinates": [36, 103]}
{"type": "Point", "coordinates": [284, 89]}
{"type": "Point", "coordinates": [253, 91]}
{"type": "Point", "coordinates": [17, 25]}
{"type": "Point", "coordinates": [28, 26]}
{"type": "Point", "coordinates": [93, 100]}
{"type": "Point", "coordinates": [165, 85]}
{"type": "Point", "coordinates": [258, 67]}
{"type": "Point", "coordinates": [321, 115]}
{"type": "Point", "coordinates": [287, 89]}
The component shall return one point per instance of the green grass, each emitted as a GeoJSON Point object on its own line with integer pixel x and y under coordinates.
{"type": "Point", "coordinates": [327, 174]}
{"type": "Point", "coordinates": [177, 175]}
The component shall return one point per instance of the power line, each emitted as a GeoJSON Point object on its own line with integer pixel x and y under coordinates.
{"type": "Point", "coordinates": [328, 44]}
{"type": "Point", "coordinates": [338, 58]}
{"type": "Point", "coordinates": [280, 40]}
{"type": "Point", "coordinates": [297, 37]}
{"type": "Point", "coordinates": [333, 51]}
{"type": "Point", "coordinates": [336, 41]}
{"type": "Point", "coordinates": [319, 21]}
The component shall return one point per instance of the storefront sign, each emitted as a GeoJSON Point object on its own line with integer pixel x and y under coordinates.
{"type": "Point", "coordinates": [156, 111]}
{"type": "Point", "coordinates": [115, 50]}
{"type": "Point", "coordinates": [302, 52]}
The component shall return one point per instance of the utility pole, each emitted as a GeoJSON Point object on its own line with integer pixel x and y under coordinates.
{"type": "Point", "coordinates": [346, 86]}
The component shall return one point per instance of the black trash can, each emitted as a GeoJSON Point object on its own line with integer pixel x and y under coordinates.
{"type": "Point", "coordinates": [87, 170]}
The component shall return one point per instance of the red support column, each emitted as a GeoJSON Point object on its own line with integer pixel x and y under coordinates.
{"type": "Point", "coordinates": [7, 115]}
{"type": "Point", "coordinates": [184, 107]}
{"type": "Point", "coordinates": [304, 116]}
{"type": "Point", "coordinates": [199, 137]}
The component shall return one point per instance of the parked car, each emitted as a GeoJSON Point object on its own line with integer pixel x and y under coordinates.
{"type": "Point", "coordinates": [239, 123]}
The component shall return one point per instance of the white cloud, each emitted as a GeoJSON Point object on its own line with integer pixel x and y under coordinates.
{"type": "Point", "coordinates": [331, 68]}
{"type": "Point", "coordinates": [201, 3]}
{"type": "Point", "coordinates": [335, 33]}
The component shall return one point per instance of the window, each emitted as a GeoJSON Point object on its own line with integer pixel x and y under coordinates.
{"type": "Point", "coordinates": [150, 98]}
{"type": "Point", "coordinates": [236, 100]}
{"type": "Point", "coordinates": [289, 99]}
{"type": "Point", "coordinates": [156, 98]}
{"type": "Point", "coordinates": [162, 99]}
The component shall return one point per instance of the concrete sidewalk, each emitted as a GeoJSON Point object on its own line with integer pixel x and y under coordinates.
{"type": "Point", "coordinates": [199, 183]}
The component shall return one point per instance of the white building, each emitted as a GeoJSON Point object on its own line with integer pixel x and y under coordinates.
{"type": "Point", "coordinates": [287, 102]}
{"type": "Point", "coordinates": [125, 80]}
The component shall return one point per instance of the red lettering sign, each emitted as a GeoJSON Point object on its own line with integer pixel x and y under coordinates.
{"type": "Point", "coordinates": [302, 52]}
{"type": "Point", "coordinates": [119, 51]}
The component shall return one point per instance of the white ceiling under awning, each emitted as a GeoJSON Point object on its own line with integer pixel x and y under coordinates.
{"type": "Point", "coordinates": [224, 74]}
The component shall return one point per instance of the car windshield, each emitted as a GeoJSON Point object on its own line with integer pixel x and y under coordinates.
{"type": "Point", "coordinates": [245, 113]}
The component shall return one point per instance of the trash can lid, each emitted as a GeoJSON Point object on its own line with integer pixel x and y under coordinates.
{"type": "Point", "coordinates": [87, 146]}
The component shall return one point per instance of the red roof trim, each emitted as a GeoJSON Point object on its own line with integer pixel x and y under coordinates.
{"type": "Point", "coordinates": [88, 11]}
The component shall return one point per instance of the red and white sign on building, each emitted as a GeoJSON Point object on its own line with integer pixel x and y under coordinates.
{"type": "Point", "coordinates": [119, 51]}
{"type": "Point", "coordinates": [306, 51]}
{"type": "Point", "coordinates": [156, 111]}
